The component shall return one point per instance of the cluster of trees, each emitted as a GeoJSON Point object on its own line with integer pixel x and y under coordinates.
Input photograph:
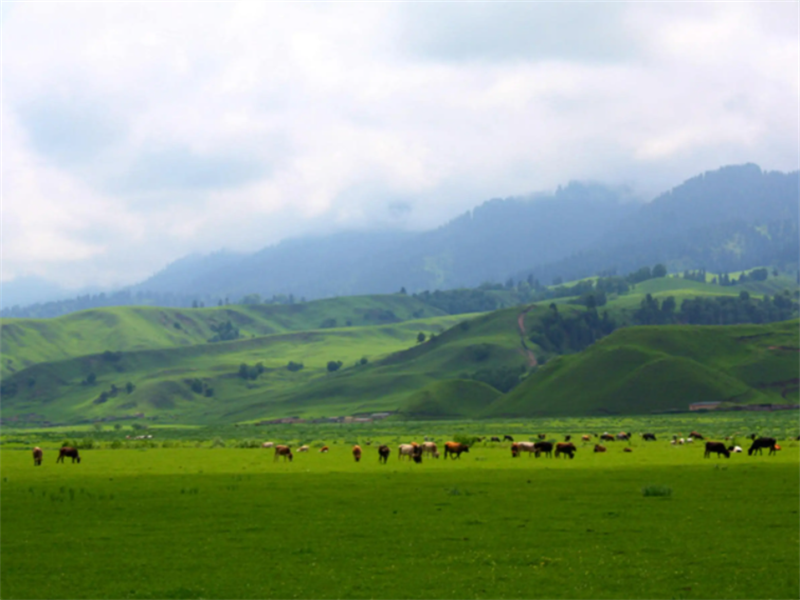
{"type": "Point", "coordinates": [561, 334]}
{"type": "Point", "coordinates": [755, 275]}
{"type": "Point", "coordinates": [295, 366]}
{"type": "Point", "coordinates": [198, 386]}
{"type": "Point", "coordinates": [251, 371]}
{"type": "Point", "coordinates": [716, 310]}
{"type": "Point", "coordinates": [334, 365]}
{"type": "Point", "coordinates": [224, 332]}
{"type": "Point", "coordinates": [113, 392]}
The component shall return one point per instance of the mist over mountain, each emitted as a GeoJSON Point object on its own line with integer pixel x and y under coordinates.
{"type": "Point", "coordinates": [737, 217]}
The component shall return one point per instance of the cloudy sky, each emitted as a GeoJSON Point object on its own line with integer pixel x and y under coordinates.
{"type": "Point", "coordinates": [136, 133]}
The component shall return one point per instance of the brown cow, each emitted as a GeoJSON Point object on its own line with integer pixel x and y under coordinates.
{"type": "Point", "coordinates": [696, 436]}
{"type": "Point", "coordinates": [586, 438]}
{"type": "Point", "coordinates": [607, 437]}
{"type": "Point", "coordinates": [383, 454]}
{"type": "Point", "coordinates": [454, 449]}
{"type": "Point", "coordinates": [37, 456]}
{"type": "Point", "coordinates": [324, 449]}
{"type": "Point", "coordinates": [718, 447]}
{"type": "Point", "coordinates": [416, 454]}
{"type": "Point", "coordinates": [357, 452]}
{"type": "Point", "coordinates": [542, 436]}
{"type": "Point", "coordinates": [567, 448]}
{"type": "Point", "coordinates": [283, 451]}
{"type": "Point", "coordinates": [599, 448]}
{"type": "Point", "coordinates": [68, 451]}
{"type": "Point", "coordinates": [514, 450]}
{"type": "Point", "coordinates": [628, 449]}
{"type": "Point", "coordinates": [546, 447]}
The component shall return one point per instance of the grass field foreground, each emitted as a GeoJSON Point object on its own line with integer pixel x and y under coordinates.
{"type": "Point", "coordinates": [232, 523]}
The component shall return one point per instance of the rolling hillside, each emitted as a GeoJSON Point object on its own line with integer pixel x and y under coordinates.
{"type": "Point", "coordinates": [26, 342]}
{"type": "Point", "coordinates": [650, 369]}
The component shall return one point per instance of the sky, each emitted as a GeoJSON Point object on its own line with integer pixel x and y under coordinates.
{"type": "Point", "coordinates": [136, 133]}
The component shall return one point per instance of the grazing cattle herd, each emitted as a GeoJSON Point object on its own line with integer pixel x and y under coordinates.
{"type": "Point", "coordinates": [415, 452]}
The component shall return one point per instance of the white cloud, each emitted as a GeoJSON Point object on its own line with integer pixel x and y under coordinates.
{"type": "Point", "coordinates": [136, 133]}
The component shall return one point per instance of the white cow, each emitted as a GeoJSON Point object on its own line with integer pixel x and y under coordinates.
{"type": "Point", "coordinates": [268, 445]}
{"type": "Point", "coordinates": [303, 448]}
{"type": "Point", "coordinates": [528, 447]}
{"type": "Point", "coordinates": [406, 450]}
{"type": "Point", "coordinates": [430, 448]}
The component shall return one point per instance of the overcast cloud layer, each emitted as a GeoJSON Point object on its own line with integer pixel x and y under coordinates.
{"type": "Point", "coordinates": [134, 134]}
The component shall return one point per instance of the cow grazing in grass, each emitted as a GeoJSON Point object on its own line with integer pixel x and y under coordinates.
{"type": "Point", "coordinates": [567, 448]}
{"type": "Point", "coordinates": [68, 451]}
{"type": "Point", "coordinates": [430, 448]}
{"type": "Point", "coordinates": [406, 450]}
{"type": "Point", "coordinates": [324, 449]}
{"type": "Point", "coordinates": [268, 445]}
{"type": "Point", "coordinates": [528, 447]}
{"type": "Point", "coordinates": [734, 449]}
{"type": "Point", "coordinates": [508, 438]}
{"type": "Point", "coordinates": [623, 436]}
{"type": "Point", "coordinates": [542, 436]}
{"type": "Point", "coordinates": [37, 456]}
{"type": "Point", "coordinates": [718, 447]}
{"type": "Point", "coordinates": [696, 436]}
{"type": "Point", "coordinates": [514, 450]}
{"type": "Point", "coordinates": [357, 452]}
{"type": "Point", "coordinates": [383, 454]}
{"type": "Point", "coordinates": [283, 451]}
{"type": "Point", "coordinates": [494, 439]}
{"type": "Point", "coordinates": [763, 442]}
{"type": "Point", "coordinates": [649, 437]}
{"type": "Point", "coordinates": [454, 449]}
{"type": "Point", "coordinates": [586, 438]}
{"type": "Point", "coordinates": [607, 437]}
{"type": "Point", "coordinates": [546, 447]}
{"type": "Point", "coordinates": [599, 448]}
{"type": "Point", "coordinates": [303, 448]}
{"type": "Point", "coordinates": [567, 438]}
{"type": "Point", "coordinates": [416, 455]}
{"type": "Point", "coordinates": [627, 449]}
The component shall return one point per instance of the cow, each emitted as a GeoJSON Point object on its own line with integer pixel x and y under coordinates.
{"type": "Point", "coordinates": [37, 456]}
{"type": "Point", "coordinates": [528, 447]}
{"type": "Point", "coordinates": [68, 451]}
{"type": "Point", "coordinates": [406, 450]}
{"type": "Point", "coordinates": [649, 437]}
{"type": "Point", "coordinates": [324, 449]}
{"type": "Point", "coordinates": [627, 449]}
{"type": "Point", "coordinates": [622, 436]}
{"type": "Point", "coordinates": [542, 436]}
{"type": "Point", "coordinates": [763, 442]}
{"type": "Point", "coordinates": [430, 448]}
{"type": "Point", "coordinates": [586, 438]}
{"type": "Point", "coordinates": [696, 436]}
{"type": "Point", "coordinates": [514, 450]}
{"type": "Point", "coordinates": [567, 438]}
{"type": "Point", "coordinates": [383, 454]}
{"type": "Point", "coordinates": [567, 448]}
{"type": "Point", "coordinates": [734, 449]}
{"type": "Point", "coordinates": [283, 451]}
{"type": "Point", "coordinates": [599, 448]}
{"type": "Point", "coordinates": [546, 447]}
{"type": "Point", "coordinates": [508, 438]}
{"type": "Point", "coordinates": [416, 454]}
{"type": "Point", "coordinates": [303, 448]}
{"type": "Point", "coordinates": [268, 445]}
{"type": "Point", "coordinates": [607, 437]}
{"type": "Point", "coordinates": [357, 452]}
{"type": "Point", "coordinates": [454, 449]}
{"type": "Point", "coordinates": [494, 439]}
{"type": "Point", "coordinates": [718, 447]}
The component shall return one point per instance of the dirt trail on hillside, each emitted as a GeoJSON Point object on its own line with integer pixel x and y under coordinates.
{"type": "Point", "coordinates": [532, 362]}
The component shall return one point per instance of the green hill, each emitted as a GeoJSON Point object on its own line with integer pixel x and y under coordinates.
{"type": "Point", "coordinates": [647, 369]}
{"type": "Point", "coordinates": [451, 399]}
{"type": "Point", "coordinates": [26, 342]}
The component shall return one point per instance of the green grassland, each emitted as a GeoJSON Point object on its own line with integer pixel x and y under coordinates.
{"type": "Point", "coordinates": [643, 369]}
{"type": "Point", "coordinates": [26, 342]}
{"type": "Point", "coordinates": [163, 377]}
{"type": "Point", "coordinates": [203, 522]}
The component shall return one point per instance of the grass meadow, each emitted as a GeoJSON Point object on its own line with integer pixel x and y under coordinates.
{"type": "Point", "coordinates": [203, 519]}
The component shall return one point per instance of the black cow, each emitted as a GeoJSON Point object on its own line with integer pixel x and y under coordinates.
{"type": "Point", "coordinates": [763, 442]}
{"type": "Point", "coordinates": [495, 439]}
{"type": "Point", "coordinates": [566, 448]}
{"type": "Point", "coordinates": [718, 447]}
{"type": "Point", "coordinates": [383, 454]}
{"type": "Point", "coordinates": [649, 437]}
{"type": "Point", "coordinates": [508, 438]}
{"type": "Point", "coordinates": [68, 451]}
{"type": "Point", "coordinates": [546, 447]}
